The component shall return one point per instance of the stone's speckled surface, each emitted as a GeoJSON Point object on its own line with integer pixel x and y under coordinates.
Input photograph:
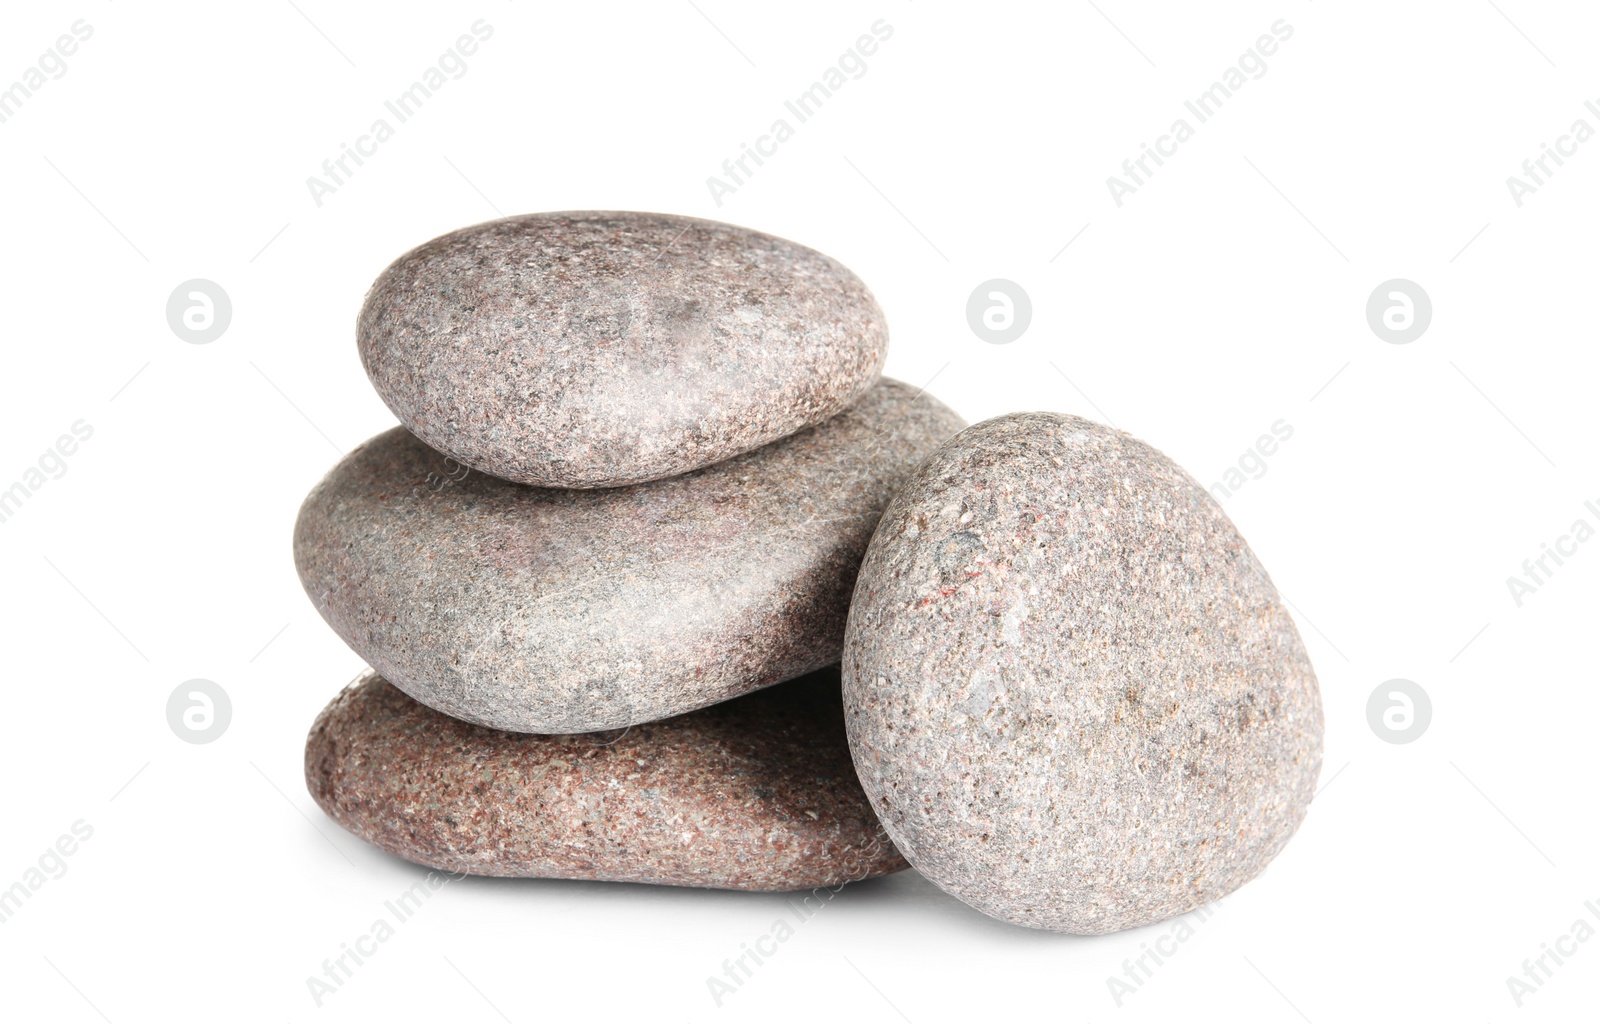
{"type": "Point", "coordinates": [754, 793]}
{"type": "Point", "coordinates": [1072, 693]}
{"type": "Point", "coordinates": [600, 349]}
{"type": "Point", "coordinates": [567, 611]}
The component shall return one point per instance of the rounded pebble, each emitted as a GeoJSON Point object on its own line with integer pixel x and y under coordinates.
{"type": "Point", "coordinates": [602, 349]}
{"type": "Point", "coordinates": [542, 610]}
{"type": "Point", "coordinates": [1072, 693]}
{"type": "Point", "coordinates": [756, 793]}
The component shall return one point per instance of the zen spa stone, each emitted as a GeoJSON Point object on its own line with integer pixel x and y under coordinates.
{"type": "Point", "coordinates": [601, 349]}
{"type": "Point", "coordinates": [1072, 693]}
{"type": "Point", "coordinates": [554, 611]}
{"type": "Point", "coordinates": [755, 793]}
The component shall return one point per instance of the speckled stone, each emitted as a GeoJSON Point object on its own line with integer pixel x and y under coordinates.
{"type": "Point", "coordinates": [601, 349]}
{"type": "Point", "coordinates": [755, 793]}
{"type": "Point", "coordinates": [543, 610]}
{"type": "Point", "coordinates": [1072, 693]}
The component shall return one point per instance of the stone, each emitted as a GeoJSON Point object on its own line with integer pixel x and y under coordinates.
{"type": "Point", "coordinates": [1072, 692]}
{"type": "Point", "coordinates": [602, 349]}
{"type": "Point", "coordinates": [544, 610]}
{"type": "Point", "coordinates": [755, 793]}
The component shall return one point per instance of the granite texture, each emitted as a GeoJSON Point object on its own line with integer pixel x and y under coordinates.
{"type": "Point", "coordinates": [1072, 693]}
{"type": "Point", "coordinates": [542, 610]}
{"type": "Point", "coordinates": [601, 349]}
{"type": "Point", "coordinates": [754, 793]}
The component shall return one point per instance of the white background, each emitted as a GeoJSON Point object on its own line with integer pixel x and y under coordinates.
{"type": "Point", "coordinates": [1227, 293]}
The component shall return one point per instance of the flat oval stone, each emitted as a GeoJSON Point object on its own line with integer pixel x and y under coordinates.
{"type": "Point", "coordinates": [542, 610]}
{"type": "Point", "coordinates": [601, 349]}
{"type": "Point", "coordinates": [1072, 693]}
{"type": "Point", "coordinates": [755, 793]}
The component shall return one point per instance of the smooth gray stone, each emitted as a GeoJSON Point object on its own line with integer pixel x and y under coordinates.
{"type": "Point", "coordinates": [1072, 693]}
{"type": "Point", "coordinates": [558, 611]}
{"type": "Point", "coordinates": [601, 349]}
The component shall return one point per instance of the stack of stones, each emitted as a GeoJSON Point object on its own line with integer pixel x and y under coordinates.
{"type": "Point", "coordinates": [662, 582]}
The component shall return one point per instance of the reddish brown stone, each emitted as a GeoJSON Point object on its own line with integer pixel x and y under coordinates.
{"type": "Point", "coordinates": [755, 793]}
